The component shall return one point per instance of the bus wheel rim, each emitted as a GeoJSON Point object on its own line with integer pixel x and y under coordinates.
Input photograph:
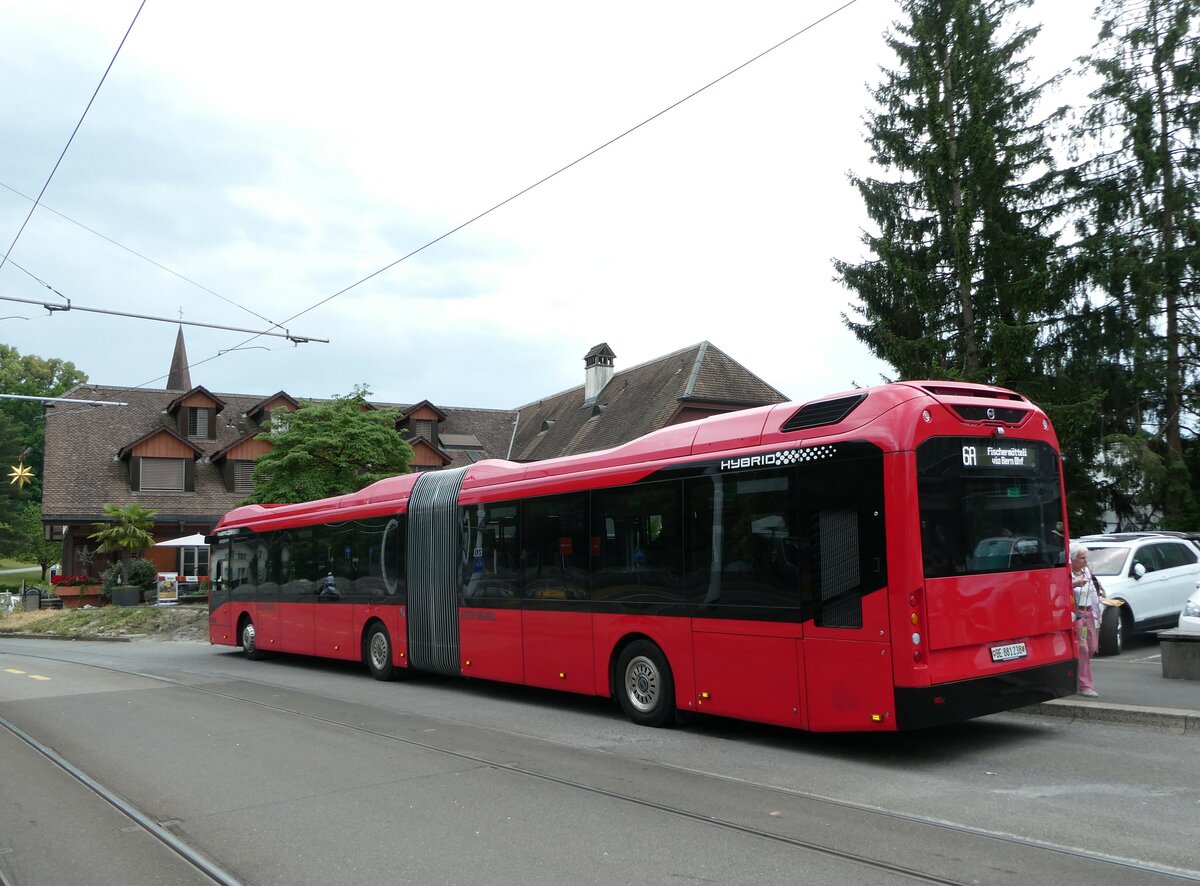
{"type": "Point", "coordinates": [642, 684]}
{"type": "Point", "coordinates": [248, 637]}
{"type": "Point", "coordinates": [379, 651]}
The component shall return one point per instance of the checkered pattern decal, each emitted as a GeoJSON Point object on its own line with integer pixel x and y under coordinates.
{"type": "Point", "coordinates": [781, 458]}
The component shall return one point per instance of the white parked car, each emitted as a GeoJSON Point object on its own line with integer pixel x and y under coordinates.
{"type": "Point", "coordinates": [1152, 574]}
{"type": "Point", "coordinates": [1189, 619]}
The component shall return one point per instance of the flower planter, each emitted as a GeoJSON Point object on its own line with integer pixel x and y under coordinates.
{"type": "Point", "coordinates": [126, 596]}
{"type": "Point", "coordinates": [78, 596]}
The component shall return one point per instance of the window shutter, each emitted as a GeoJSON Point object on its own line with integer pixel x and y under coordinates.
{"type": "Point", "coordinates": [135, 474]}
{"type": "Point", "coordinates": [202, 422]}
{"type": "Point", "coordinates": [189, 475]}
{"type": "Point", "coordinates": [163, 474]}
{"type": "Point", "coordinates": [243, 476]}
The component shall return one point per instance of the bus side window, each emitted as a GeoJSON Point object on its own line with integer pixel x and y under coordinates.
{"type": "Point", "coordinates": [638, 557]}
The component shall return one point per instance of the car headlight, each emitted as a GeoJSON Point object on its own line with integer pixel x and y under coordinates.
{"type": "Point", "coordinates": [1192, 608]}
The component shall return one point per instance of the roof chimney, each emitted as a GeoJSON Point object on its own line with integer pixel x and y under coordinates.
{"type": "Point", "coordinates": [179, 379]}
{"type": "Point", "coordinates": [597, 370]}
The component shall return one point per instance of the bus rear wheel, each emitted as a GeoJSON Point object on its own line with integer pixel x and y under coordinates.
{"type": "Point", "coordinates": [249, 641]}
{"type": "Point", "coordinates": [377, 651]}
{"type": "Point", "coordinates": [645, 687]}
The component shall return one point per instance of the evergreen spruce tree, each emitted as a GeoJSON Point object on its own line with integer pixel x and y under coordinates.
{"type": "Point", "coordinates": [961, 279]}
{"type": "Point", "coordinates": [1138, 192]}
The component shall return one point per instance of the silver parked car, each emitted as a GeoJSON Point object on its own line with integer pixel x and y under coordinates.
{"type": "Point", "coordinates": [1153, 574]}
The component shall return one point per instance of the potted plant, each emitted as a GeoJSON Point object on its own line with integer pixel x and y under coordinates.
{"type": "Point", "coordinates": [125, 582]}
{"type": "Point", "coordinates": [125, 532]}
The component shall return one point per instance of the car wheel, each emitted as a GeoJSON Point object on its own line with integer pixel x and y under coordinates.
{"type": "Point", "coordinates": [249, 641]}
{"type": "Point", "coordinates": [645, 687]}
{"type": "Point", "coordinates": [378, 653]}
{"type": "Point", "coordinates": [1112, 631]}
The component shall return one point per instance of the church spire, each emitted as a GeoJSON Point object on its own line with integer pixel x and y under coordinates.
{"type": "Point", "coordinates": [179, 379]}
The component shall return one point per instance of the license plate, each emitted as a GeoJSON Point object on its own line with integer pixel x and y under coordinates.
{"type": "Point", "coordinates": [1008, 653]}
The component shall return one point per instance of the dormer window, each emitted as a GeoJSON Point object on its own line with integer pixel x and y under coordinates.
{"type": "Point", "coordinates": [281, 420]}
{"type": "Point", "coordinates": [195, 414]}
{"type": "Point", "coordinates": [423, 428]}
{"type": "Point", "coordinates": [202, 422]}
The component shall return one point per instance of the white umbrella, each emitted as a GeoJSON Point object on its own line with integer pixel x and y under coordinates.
{"type": "Point", "coordinates": [188, 541]}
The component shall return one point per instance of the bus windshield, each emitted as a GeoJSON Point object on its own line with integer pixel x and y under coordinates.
{"type": "Point", "coordinates": [989, 506]}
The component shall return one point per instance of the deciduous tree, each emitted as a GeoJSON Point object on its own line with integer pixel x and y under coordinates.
{"type": "Point", "coordinates": [330, 449]}
{"type": "Point", "coordinates": [33, 376]}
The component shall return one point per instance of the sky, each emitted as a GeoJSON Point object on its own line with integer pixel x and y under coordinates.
{"type": "Point", "coordinates": [244, 162]}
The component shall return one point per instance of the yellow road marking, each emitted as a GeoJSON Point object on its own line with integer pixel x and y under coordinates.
{"type": "Point", "coordinates": [12, 671]}
{"type": "Point", "coordinates": [37, 677]}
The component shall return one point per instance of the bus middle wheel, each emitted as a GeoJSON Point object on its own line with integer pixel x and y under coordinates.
{"type": "Point", "coordinates": [378, 653]}
{"type": "Point", "coordinates": [645, 688]}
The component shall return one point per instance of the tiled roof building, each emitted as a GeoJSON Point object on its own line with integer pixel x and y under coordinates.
{"type": "Point", "coordinates": [189, 453]}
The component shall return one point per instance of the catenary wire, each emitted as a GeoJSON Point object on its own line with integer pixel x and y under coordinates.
{"type": "Point", "coordinates": [74, 132]}
{"type": "Point", "coordinates": [134, 252]}
{"type": "Point", "coordinates": [536, 184]}
{"type": "Point", "coordinates": [576, 161]}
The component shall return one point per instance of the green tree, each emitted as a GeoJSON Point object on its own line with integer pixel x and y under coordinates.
{"type": "Point", "coordinates": [12, 451]}
{"type": "Point", "coordinates": [964, 277]}
{"type": "Point", "coordinates": [27, 542]}
{"type": "Point", "coordinates": [32, 376]}
{"type": "Point", "coordinates": [960, 281]}
{"type": "Point", "coordinates": [125, 532]}
{"type": "Point", "coordinates": [1138, 195]}
{"type": "Point", "coordinates": [329, 449]}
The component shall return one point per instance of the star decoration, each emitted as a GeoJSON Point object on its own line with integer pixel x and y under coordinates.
{"type": "Point", "coordinates": [21, 474]}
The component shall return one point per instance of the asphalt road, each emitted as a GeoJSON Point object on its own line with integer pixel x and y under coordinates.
{"type": "Point", "coordinates": [295, 771]}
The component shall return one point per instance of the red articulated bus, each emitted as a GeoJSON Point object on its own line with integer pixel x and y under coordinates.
{"type": "Point", "coordinates": [887, 558]}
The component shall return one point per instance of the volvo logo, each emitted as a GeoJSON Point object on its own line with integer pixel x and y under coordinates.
{"type": "Point", "coordinates": [991, 413]}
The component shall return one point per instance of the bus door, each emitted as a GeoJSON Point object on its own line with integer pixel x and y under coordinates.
{"type": "Point", "coordinates": [847, 648]}
{"type": "Point", "coordinates": [334, 594]}
{"type": "Point", "coordinates": [489, 628]}
{"type": "Point", "coordinates": [742, 560]}
{"type": "Point", "coordinates": [556, 624]}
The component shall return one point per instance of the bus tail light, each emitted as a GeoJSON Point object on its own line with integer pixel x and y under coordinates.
{"type": "Point", "coordinates": [914, 617]}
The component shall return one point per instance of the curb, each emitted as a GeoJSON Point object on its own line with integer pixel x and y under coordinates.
{"type": "Point", "coordinates": [1174, 719]}
{"type": "Point", "coordinates": [14, 636]}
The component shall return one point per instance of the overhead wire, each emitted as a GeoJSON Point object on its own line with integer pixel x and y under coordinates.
{"type": "Point", "coordinates": [75, 131]}
{"type": "Point", "coordinates": [527, 189]}
{"type": "Point", "coordinates": [574, 162]}
{"type": "Point", "coordinates": [131, 251]}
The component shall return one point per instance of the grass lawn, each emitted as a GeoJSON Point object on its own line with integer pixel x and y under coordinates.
{"type": "Point", "coordinates": [6, 563]}
{"type": "Point", "coordinates": [31, 574]}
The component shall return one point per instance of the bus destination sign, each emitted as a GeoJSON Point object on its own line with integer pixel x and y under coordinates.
{"type": "Point", "coordinates": [986, 454]}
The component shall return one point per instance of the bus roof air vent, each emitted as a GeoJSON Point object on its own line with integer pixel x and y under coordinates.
{"type": "Point", "coordinates": [823, 412]}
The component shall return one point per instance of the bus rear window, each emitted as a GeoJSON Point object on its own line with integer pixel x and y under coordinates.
{"type": "Point", "coordinates": [989, 507]}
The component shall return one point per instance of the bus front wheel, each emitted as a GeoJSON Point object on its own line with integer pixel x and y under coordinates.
{"type": "Point", "coordinates": [645, 687]}
{"type": "Point", "coordinates": [378, 653]}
